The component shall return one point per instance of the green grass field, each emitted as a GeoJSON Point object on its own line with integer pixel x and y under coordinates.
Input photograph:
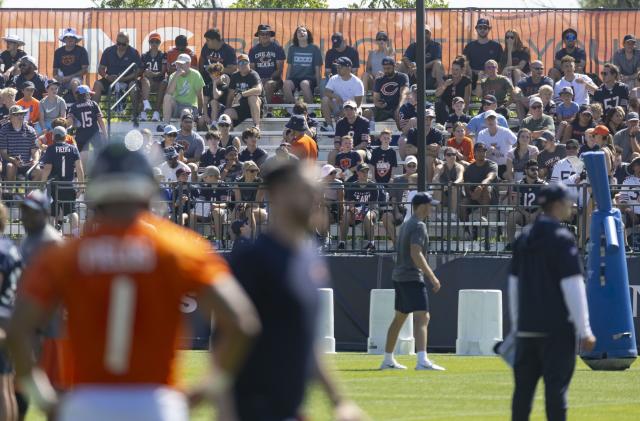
{"type": "Point", "coordinates": [472, 388]}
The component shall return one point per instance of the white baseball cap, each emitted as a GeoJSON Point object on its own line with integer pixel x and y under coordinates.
{"type": "Point", "coordinates": [411, 160]}
{"type": "Point", "coordinates": [326, 170]}
{"type": "Point", "coordinates": [184, 59]}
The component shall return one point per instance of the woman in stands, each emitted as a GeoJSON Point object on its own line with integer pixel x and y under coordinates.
{"type": "Point", "coordinates": [581, 122]}
{"type": "Point", "coordinates": [519, 155]}
{"type": "Point", "coordinates": [373, 71]}
{"type": "Point", "coordinates": [515, 58]}
{"type": "Point", "coordinates": [249, 198]}
{"type": "Point", "coordinates": [603, 138]}
{"type": "Point", "coordinates": [456, 84]}
{"type": "Point", "coordinates": [614, 119]}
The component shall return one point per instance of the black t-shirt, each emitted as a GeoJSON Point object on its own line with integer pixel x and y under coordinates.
{"type": "Point", "coordinates": [389, 89]}
{"type": "Point", "coordinates": [453, 118]}
{"type": "Point", "coordinates": [578, 53]}
{"type": "Point", "coordinates": [241, 83]}
{"type": "Point", "coordinates": [383, 163]}
{"type": "Point", "coordinates": [529, 87]}
{"type": "Point", "coordinates": [62, 157]}
{"type": "Point", "coordinates": [208, 158]}
{"type": "Point", "coordinates": [258, 156]}
{"type": "Point", "coordinates": [220, 192]}
{"type": "Point", "coordinates": [333, 54]}
{"type": "Point", "coordinates": [519, 56]}
{"type": "Point", "coordinates": [39, 80]}
{"type": "Point", "coordinates": [548, 159]}
{"type": "Point", "coordinates": [432, 51]}
{"type": "Point", "coordinates": [433, 136]}
{"type": "Point", "coordinates": [357, 130]}
{"type": "Point", "coordinates": [225, 55]}
{"type": "Point", "coordinates": [618, 95]}
{"type": "Point", "coordinates": [8, 60]}
{"type": "Point", "coordinates": [475, 173]}
{"type": "Point", "coordinates": [455, 90]}
{"type": "Point", "coordinates": [478, 54]}
{"type": "Point", "coordinates": [347, 160]}
{"type": "Point", "coordinates": [407, 111]}
{"type": "Point", "coordinates": [585, 148]}
{"type": "Point", "coordinates": [154, 64]}
{"type": "Point", "coordinates": [70, 62]}
{"type": "Point", "coordinates": [115, 64]}
{"type": "Point", "coordinates": [577, 131]}
{"type": "Point", "coordinates": [363, 195]}
{"type": "Point", "coordinates": [264, 58]}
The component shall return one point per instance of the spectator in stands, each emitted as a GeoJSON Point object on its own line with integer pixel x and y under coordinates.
{"type": "Point", "coordinates": [524, 198]}
{"type": "Point", "coordinates": [498, 140]}
{"type": "Point", "coordinates": [612, 93]}
{"type": "Point", "coordinates": [582, 121]}
{"type": "Point", "coordinates": [171, 165]}
{"type": "Point", "coordinates": [29, 103]}
{"type": "Point", "coordinates": [332, 203]}
{"type": "Point", "coordinates": [267, 58]}
{"type": "Point", "coordinates": [245, 96]}
{"type": "Point", "coordinates": [114, 61]}
{"type": "Point", "coordinates": [545, 93]}
{"type": "Point", "coordinates": [7, 99]}
{"type": "Point", "coordinates": [515, 58]}
{"type": "Point", "coordinates": [629, 196]}
{"type": "Point", "coordinates": [212, 202]}
{"type": "Point", "coordinates": [154, 72]}
{"type": "Point", "coordinates": [249, 197]}
{"type": "Point", "coordinates": [46, 139]}
{"type": "Point", "coordinates": [28, 73]}
{"type": "Point", "coordinates": [383, 158]}
{"type": "Point", "coordinates": [537, 122]}
{"type": "Point", "coordinates": [455, 85]}
{"type": "Point", "coordinates": [566, 110]}
{"type": "Point", "coordinates": [571, 49]}
{"type": "Point", "coordinates": [302, 146]}
{"type": "Point", "coordinates": [566, 168]}
{"type": "Point", "coordinates": [192, 143]}
{"type": "Point", "coordinates": [348, 159]}
{"type": "Point", "coordinates": [169, 136]}
{"type": "Point", "coordinates": [388, 91]}
{"type": "Point", "coordinates": [353, 125]}
{"type": "Point", "coordinates": [282, 154]}
{"type": "Point", "coordinates": [407, 112]}
{"type": "Point", "coordinates": [458, 115]}
{"type": "Point", "coordinates": [478, 177]}
{"type": "Point", "coordinates": [480, 51]}
{"type": "Point", "coordinates": [530, 85]}
{"type": "Point", "coordinates": [215, 50]}
{"type": "Point", "coordinates": [494, 84]}
{"type": "Point", "coordinates": [18, 147]}
{"type": "Point", "coordinates": [629, 138]}
{"type": "Point", "coordinates": [628, 61]}
{"type": "Point", "coordinates": [252, 152]}
{"type": "Point", "coordinates": [590, 144]}
{"type": "Point", "coordinates": [521, 153]}
{"type": "Point", "coordinates": [231, 169]}
{"type": "Point", "coordinates": [180, 47]}
{"type": "Point", "coordinates": [216, 92]}
{"type": "Point", "coordinates": [552, 153]}
{"type": "Point", "coordinates": [226, 138]}
{"type": "Point", "coordinates": [71, 61]}
{"type": "Point", "coordinates": [373, 69]}
{"type": "Point", "coordinates": [581, 84]}
{"type": "Point", "coordinates": [603, 138]}
{"type": "Point", "coordinates": [214, 155]}
{"type": "Point", "coordinates": [477, 123]}
{"type": "Point", "coordinates": [184, 196]}
{"type": "Point", "coordinates": [361, 205]}
{"type": "Point", "coordinates": [623, 169]}
{"type": "Point", "coordinates": [432, 61]}
{"type": "Point", "coordinates": [461, 143]}
{"type": "Point", "coordinates": [435, 139]}
{"type": "Point", "coordinates": [184, 91]}
{"type": "Point", "coordinates": [614, 119]}
{"type": "Point", "coordinates": [342, 87]}
{"type": "Point", "coordinates": [304, 62]}
{"type": "Point", "coordinates": [10, 57]}
{"type": "Point", "coordinates": [450, 171]}
{"type": "Point", "coordinates": [52, 106]}
{"type": "Point", "coordinates": [596, 110]}
{"type": "Point", "coordinates": [339, 48]}
{"type": "Point", "coordinates": [300, 109]}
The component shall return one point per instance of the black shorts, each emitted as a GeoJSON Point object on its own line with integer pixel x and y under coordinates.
{"type": "Point", "coordinates": [501, 170]}
{"type": "Point", "coordinates": [411, 296]}
{"type": "Point", "coordinates": [63, 197]}
{"type": "Point", "coordinates": [278, 83]}
{"type": "Point", "coordinates": [382, 114]}
{"type": "Point", "coordinates": [105, 84]}
{"type": "Point", "coordinates": [243, 111]}
{"type": "Point", "coordinates": [83, 141]}
{"type": "Point", "coordinates": [208, 92]}
{"type": "Point", "coordinates": [6, 366]}
{"type": "Point", "coordinates": [296, 83]}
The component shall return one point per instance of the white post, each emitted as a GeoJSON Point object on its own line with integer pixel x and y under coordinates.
{"type": "Point", "coordinates": [326, 340]}
{"type": "Point", "coordinates": [381, 313]}
{"type": "Point", "coordinates": [479, 321]}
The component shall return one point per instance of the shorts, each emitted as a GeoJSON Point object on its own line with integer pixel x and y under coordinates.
{"type": "Point", "coordinates": [411, 296]}
{"type": "Point", "coordinates": [501, 170]}
{"type": "Point", "coordinates": [312, 82]}
{"type": "Point", "coordinates": [6, 366]}
{"type": "Point", "coordinates": [382, 114]}
{"type": "Point", "coordinates": [278, 83]}
{"type": "Point", "coordinates": [208, 92]}
{"type": "Point", "coordinates": [177, 111]}
{"type": "Point", "coordinates": [123, 403]}
{"type": "Point", "coordinates": [105, 84]}
{"type": "Point", "coordinates": [63, 197]}
{"type": "Point", "coordinates": [83, 141]}
{"type": "Point", "coordinates": [242, 110]}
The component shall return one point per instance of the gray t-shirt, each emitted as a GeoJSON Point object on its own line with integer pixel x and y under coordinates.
{"type": "Point", "coordinates": [302, 61]}
{"type": "Point", "coordinates": [52, 109]}
{"type": "Point", "coordinates": [375, 59]}
{"type": "Point", "coordinates": [193, 144]}
{"type": "Point", "coordinates": [623, 140]}
{"type": "Point", "coordinates": [627, 67]}
{"type": "Point", "coordinates": [413, 231]}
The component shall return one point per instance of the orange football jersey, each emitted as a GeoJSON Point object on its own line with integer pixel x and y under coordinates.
{"type": "Point", "coordinates": [122, 288]}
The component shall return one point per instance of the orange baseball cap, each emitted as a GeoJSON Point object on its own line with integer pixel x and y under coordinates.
{"type": "Point", "coordinates": [155, 37]}
{"type": "Point", "coordinates": [601, 130]}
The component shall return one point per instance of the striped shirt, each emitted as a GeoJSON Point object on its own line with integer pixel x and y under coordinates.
{"type": "Point", "coordinates": [18, 143]}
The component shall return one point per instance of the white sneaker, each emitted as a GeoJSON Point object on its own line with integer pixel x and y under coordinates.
{"type": "Point", "coordinates": [146, 105]}
{"type": "Point", "coordinates": [429, 365]}
{"type": "Point", "coordinates": [143, 116]}
{"type": "Point", "coordinates": [156, 116]}
{"type": "Point", "coordinates": [393, 365]}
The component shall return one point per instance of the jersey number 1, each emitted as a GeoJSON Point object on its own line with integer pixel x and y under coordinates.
{"type": "Point", "coordinates": [122, 308]}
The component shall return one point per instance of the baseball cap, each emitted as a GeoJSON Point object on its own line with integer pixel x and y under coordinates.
{"type": "Point", "coordinates": [181, 171]}
{"type": "Point", "coordinates": [170, 153]}
{"type": "Point", "coordinates": [156, 171]}
{"type": "Point", "coordinates": [548, 135]}
{"type": "Point", "coordinates": [572, 142]}
{"type": "Point", "coordinates": [14, 38]}
{"type": "Point", "coordinates": [28, 85]}
{"type": "Point", "coordinates": [51, 82]}
{"type": "Point", "coordinates": [344, 61]}
{"type": "Point", "coordinates": [483, 22]}
{"type": "Point", "coordinates": [566, 90]}
{"type": "Point", "coordinates": [70, 33]}
{"type": "Point", "coordinates": [634, 162]}
{"type": "Point", "coordinates": [84, 89]}
{"type": "Point", "coordinates": [36, 200]}
{"type": "Point", "coordinates": [552, 193]}
{"type": "Point", "coordinates": [584, 108]}
{"type": "Point", "coordinates": [382, 35]}
{"type": "Point", "coordinates": [629, 37]}
{"type": "Point", "coordinates": [336, 39]}
{"type": "Point", "coordinates": [535, 100]}
{"type": "Point", "coordinates": [601, 130]}
{"type": "Point", "coordinates": [211, 171]}
{"type": "Point", "coordinates": [243, 57]}
{"type": "Point", "coordinates": [489, 114]}
{"type": "Point", "coordinates": [224, 119]}
{"type": "Point", "coordinates": [633, 116]}
{"type": "Point", "coordinates": [457, 99]}
{"type": "Point", "coordinates": [326, 170]}
{"type": "Point", "coordinates": [362, 166]}
{"type": "Point", "coordinates": [169, 129]}
{"type": "Point", "coordinates": [180, 41]}
{"type": "Point", "coordinates": [31, 60]}
{"type": "Point", "coordinates": [249, 165]}
{"type": "Point", "coordinates": [16, 109]}
{"type": "Point", "coordinates": [296, 123]}
{"type": "Point", "coordinates": [411, 159]}
{"type": "Point", "coordinates": [237, 224]}
{"type": "Point", "coordinates": [479, 145]}
{"type": "Point", "coordinates": [427, 28]}
{"type": "Point", "coordinates": [350, 104]}
{"type": "Point", "coordinates": [183, 59]}
{"type": "Point", "coordinates": [59, 132]}
{"type": "Point", "coordinates": [155, 37]}
{"type": "Point", "coordinates": [263, 27]}
{"type": "Point", "coordinates": [388, 61]}
{"type": "Point", "coordinates": [230, 149]}
{"type": "Point", "coordinates": [186, 114]}
{"type": "Point", "coordinates": [423, 198]}
{"type": "Point", "coordinates": [429, 112]}
{"type": "Point", "coordinates": [489, 99]}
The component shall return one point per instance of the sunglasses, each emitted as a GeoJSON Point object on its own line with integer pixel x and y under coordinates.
{"type": "Point", "coordinates": [412, 165]}
{"type": "Point", "coordinates": [535, 169]}
{"type": "Point", "coordinates": [482, 28]}
{"type": "Point", "coordinates": [537, 68]}
{"type": "Point", "coordinates": [264, 34]}
{"type": "Point", "coordinates": [252, 171]}
{"type": "Point", "coordinates": [535, 107]}
{"type": "Point", "coordinates": [510, 37]}
{"type": "Point", "coordinates": [381, 39]}
{"type": "Point", "coordinates": [571, 148]}
{"type": "Point", "coordinates": [155, 41]}
{"type": "Point", "coordinates": [570, 38]}
{"type": "Point", "coordinates": [224, 125]}
{"type": "Point", "coordinates": [121, 44]}
{"type": "Point", "coordinates": [450, 154]}
{"type": "Point", "coordinates": [241, 62]}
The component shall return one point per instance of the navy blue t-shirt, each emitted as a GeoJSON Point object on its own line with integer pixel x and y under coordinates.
{"type": "Point", "coordinates": [432, 51]}
{"type": "Point", "coordinates": [62, 157]}
{"type": "Point", "coordinates": [529, 87]}
{"type": "Point", "coordinates": [8, 60]}
{"type": "Point", "coordinates": [70, 62]}
{"type": "Point", "coordinates": [357, 130]}
{"type": "Point", "coordinates": [11, 269]}
{"type": "Point", "coordinates": [346, 160]}
{"type": "Point", "coordinates": [478, 54]}
{"type": "Point", "coordinates": [283, 284]}
{"type": "Point", "coordinates": [333, 54]}
{"type": "Point", "coordinates": [579, 54]}
{"type": "Point", "coordinates": [39, 80]}
{"type": "Point", "coordinates": [383, 163]}
{"type": "Point", "coordinates": [389, 89]}
{"type": "Point", "coordinates": [453, 118]}
{"type": "Point", "coordinates": [264, 58]}
{"type": "Point", "coordinates": [208, 158]}
{"type": "Point", "coordinates": [364, 196]}
{"type": "Point", "coordinates": [433, 136]}
{"type": "Point", "coordinates": [85, 116]}
{"type": "Point", "coordinates": [115, 64]}
{"type": "Point", "coordinates": [225, 55]}
{"type": "Point", "coordinates": [154, 64]}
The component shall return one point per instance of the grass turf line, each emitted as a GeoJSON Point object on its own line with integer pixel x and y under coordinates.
{"type": "Point", "coordinates": [472, 388]}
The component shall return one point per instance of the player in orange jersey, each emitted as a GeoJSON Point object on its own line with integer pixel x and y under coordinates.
{"type": "Point", "coordinates": [122, 285]}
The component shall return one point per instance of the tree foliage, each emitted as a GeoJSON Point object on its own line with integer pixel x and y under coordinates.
{"type": "Point", "coordinates": [147, 4]}
{"type": "Point", "coordinates": [280, 4]}
{"type": "Point", "coordinates": [397, 4]}
{"type": "Point", "coordinates": [610, 4]}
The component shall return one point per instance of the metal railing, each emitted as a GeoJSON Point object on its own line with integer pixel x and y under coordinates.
{"type": "Point", "coordinates": [459, 224]}
{"type": "Point", "coordinates": [124, 96]}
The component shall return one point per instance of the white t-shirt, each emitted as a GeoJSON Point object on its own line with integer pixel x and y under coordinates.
{"type": "Point", "coordinates": [346, 89]}
{"type": "Point", "coordinates": [630, 193]}
{"type": "Point", "coordinates": [498, 145]}
{"type": "Point", "coordinates": [580, 93]}
{"type": "Point", "coordinates": [169, 173]}
{"type": "Point", "coordinates": [567, 171]}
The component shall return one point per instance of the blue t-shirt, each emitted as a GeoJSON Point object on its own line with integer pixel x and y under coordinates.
{"type": "Point", "coordinates": [70, 62]}
{"type": "Point", "coordinates": [115, 64]}
{"type": "Point", "coordinates": [432, 51]}
{"type": "Point", "coordinates": [303, 61]}
{"type": "Point", "coordinates": [565, 111]}
{"type": "Point", "coordinates": [62, 157]}
{"type": "Point", "coordinates": [347, 160]}
{"type": "Point", "coordinates": [264, 58]}
{"type": "Point", "coordinates": [433, 136]}
{"type": "Point", "coordinates": [578, 53]}
{"type": "Point", "coordinates": [389, 89]}
{"type": "Point", "coordinates": [477, 123]}
{"type": "Point", "coordinates": [529, 87]}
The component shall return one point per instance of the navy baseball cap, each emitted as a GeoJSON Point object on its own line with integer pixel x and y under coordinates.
{"type": "Point", "coordinates": [548, 135]}
{"type": "Point", "coordinates": [171, 153]}
{"type": "Point", "coordinates": [336, 39]}
{"type": "Point", "coordinates": [553, 193]}
{"type": "Point", "coordinates": [382, 35]}
{"type": "Point", "coordinates": [36, 200]}
{"type": "Point", "coordinates": [633, 116]}
{"type": "Point", "coordinates": [423, 198]}
{"type": "Point", "coordinates": [296, 123]}
{"type": "Point", "coordinates": [344, 61]}
{"type": "Point", "coordinates": [388, 61]}
{"type": "Point", "coordinates": [483, 22]}
{"type": "Point", "coordinates": [629, 37]}
{"type": "Point", "coordinates": [489, 99]}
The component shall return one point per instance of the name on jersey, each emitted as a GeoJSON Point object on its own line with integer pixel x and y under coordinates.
{"type": "Point", "coordinates": [63, 148]}
{"type": "Point", "coordinates": [117, 255]}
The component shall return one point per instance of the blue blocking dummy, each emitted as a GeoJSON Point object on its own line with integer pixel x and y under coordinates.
{"type": "Point", "coordinates": [607, 278]}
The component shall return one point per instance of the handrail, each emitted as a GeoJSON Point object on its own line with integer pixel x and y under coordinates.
{"type": "Point", "coordinates": [110, 91]}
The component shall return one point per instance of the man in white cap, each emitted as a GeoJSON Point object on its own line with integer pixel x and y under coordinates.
{"type": "Point", "coordinates": [9, 58]}
{"type": "Point", "coordinates": [70, 61]}
{"type": "Point", "coordinates": [28, 73]}
{"type": "Point", "coordinates": [184, 91]}
{"type": "Point", "coordinates": [498, 141]}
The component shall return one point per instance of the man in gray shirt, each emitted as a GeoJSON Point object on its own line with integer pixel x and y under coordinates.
{"type": "Point", "coordinates": [629, 139]}
{"type": "Point", "coordinates": [409, 283]}
{"type": "Point", "coordinates": [192, 143]}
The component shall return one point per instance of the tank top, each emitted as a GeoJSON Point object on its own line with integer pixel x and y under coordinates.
{"type": "Point", "coordinates": [449, 174]}
{"type": "Point", "coordinates": [375, 59]}
{"type": "Point", "coordinates": [520, 161]}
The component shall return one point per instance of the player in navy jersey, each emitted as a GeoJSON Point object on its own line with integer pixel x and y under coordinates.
{"type": "Point", "coordinates": [86, 116]}
{"type": "Point", "coordinates": [612, 93]}
{"type": "Point", "coordinates": [10, 271]}
{"type": "Point", "coordinates": [524, 196]}
{"type": "Point", "coordinates": [154, 72]}
{"type": "Point", "coordinates": [62, 164]}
